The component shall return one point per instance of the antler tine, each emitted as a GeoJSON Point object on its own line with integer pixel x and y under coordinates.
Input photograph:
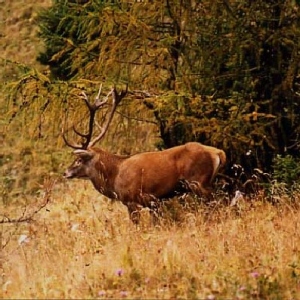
{"type": "Point", "coordinates": [68, 143]}
{"type": "Point", "coordinates": [86, 100]}
{"type": "Point", "coordinates": [88, 135]}
{"type": "Point", "coordinates": [99, 92]}
{"type": "Point", "coordinates": [79, 133]}
{"type": "Point", "coordinates": [96, 105]}
{"type": "Point", "coordinates": [105, 100]}
{"type": "Point", "coordinates": [92, 108]}
{"type": "Point", "coordinates": [116, 99]}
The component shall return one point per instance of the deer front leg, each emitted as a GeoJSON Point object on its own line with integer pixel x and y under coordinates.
{"type": "Point", "coordinates": [155, 211]}
{"type": "Point", "coordinates": [134, 212]}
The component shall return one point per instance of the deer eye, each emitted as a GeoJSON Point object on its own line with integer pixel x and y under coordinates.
{"type": "Point", "coordinates": [78, 162]}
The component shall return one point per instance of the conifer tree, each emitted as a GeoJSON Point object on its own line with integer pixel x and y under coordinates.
{"type": "Point", "coordinates": [221, 72]}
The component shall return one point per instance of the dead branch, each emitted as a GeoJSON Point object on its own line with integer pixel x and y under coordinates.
{"type": "Point", "coordinates": [28, 216]}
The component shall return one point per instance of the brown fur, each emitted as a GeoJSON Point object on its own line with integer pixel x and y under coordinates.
{"type": "Point", "coordinates": [140, 179]}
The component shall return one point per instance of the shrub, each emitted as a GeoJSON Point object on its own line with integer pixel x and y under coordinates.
{"type": "Point", "coordinates": [286, 169]}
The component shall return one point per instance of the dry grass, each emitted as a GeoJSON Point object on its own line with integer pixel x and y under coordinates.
{"type": "Point", "coordinates": [84, 246]}
{"type": "Point", "coordinates": [19, 41]}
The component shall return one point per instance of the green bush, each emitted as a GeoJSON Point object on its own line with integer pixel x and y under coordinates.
{"type": "Point", "coordinates": [286, 169]}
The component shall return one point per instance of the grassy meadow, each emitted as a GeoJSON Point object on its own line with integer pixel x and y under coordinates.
{"type": "Point", "coordinates": [65, 241]}
{"type": "Point", "coordinates": [81, 245]}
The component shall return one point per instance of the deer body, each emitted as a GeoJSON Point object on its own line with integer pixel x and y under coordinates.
{"type": "Point", "coordinates": [140, 179]}
{"type": "Point", "coordinates": [158, 173]}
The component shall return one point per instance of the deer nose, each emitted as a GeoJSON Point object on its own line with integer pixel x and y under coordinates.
{"type": "Point", "coordinates": [67, 174]}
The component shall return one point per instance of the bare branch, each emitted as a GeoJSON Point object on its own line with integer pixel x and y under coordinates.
{"type": "Point", "coordinates": [27, 217]}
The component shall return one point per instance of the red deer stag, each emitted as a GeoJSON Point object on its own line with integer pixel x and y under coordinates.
{"type": "Point", "coordinates": [142, 179]}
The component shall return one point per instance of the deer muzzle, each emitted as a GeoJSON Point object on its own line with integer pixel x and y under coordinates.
{"type": "Point", "coordinates": [67, 174]}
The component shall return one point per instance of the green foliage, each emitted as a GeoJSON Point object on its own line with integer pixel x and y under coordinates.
{"type": "Point", "coordinates": [106, 39]}
{"type": "Point", "coordinates": [61, 29]}
{"type": "Point", "coordinates": [36, 110]}
{"type": "Point", "coordinates": [223, 73]}
{"type": "Point", "coordinates": [286, 169]}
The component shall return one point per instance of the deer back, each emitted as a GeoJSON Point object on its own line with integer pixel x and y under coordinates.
{"type": "Point", "coordinates": [159, 173]}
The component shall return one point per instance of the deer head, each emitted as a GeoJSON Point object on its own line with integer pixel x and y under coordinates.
{"type": "Point", "coordinates": [93, 108]}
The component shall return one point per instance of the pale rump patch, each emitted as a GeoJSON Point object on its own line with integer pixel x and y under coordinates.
{"type": "Point", "coordinates": [216, 164]}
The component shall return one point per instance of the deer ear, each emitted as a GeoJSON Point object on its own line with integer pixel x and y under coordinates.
{"type": "Point", "coordinates": [84, 154]}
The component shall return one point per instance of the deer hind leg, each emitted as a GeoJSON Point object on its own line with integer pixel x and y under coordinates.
{"type": "Point", "coordinates": [201, 189]}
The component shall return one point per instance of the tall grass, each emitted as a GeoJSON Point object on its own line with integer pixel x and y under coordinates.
{"type": "Point", "coordinates": [84, 246]}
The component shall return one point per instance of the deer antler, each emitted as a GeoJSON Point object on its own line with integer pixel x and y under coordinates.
{"type": "Point", "coordinates": [93, 109]}
{"type": "Point", "coordinates": [116, 99]}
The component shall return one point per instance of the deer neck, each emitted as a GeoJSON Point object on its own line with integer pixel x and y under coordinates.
{"type": "Point", "coordinates": [106, 166]}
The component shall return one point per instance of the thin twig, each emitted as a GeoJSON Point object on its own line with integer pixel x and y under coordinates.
{"type": "Point", "coordinates": [28, 217]}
